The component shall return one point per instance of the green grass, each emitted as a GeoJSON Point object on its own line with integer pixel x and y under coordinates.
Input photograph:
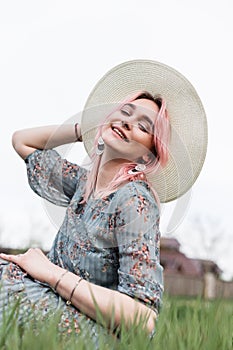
{"type": "Point", "coordinates": [184, 324]}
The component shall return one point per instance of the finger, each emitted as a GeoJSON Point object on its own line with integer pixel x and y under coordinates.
{"type": "Point", "coordinates": [9, 257]}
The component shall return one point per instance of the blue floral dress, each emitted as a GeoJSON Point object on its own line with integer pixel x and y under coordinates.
{"type": "Point", "coordinates": [112, 242]}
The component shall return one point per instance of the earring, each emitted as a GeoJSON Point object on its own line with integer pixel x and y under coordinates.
{"type": "Point", "coordinates": [100, 146]}
{"type": "Point", "coordinates": [138, 168]}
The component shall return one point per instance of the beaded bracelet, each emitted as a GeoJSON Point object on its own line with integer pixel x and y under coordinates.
{"type": "Point", "coordinates": [72, 293]}
{"type": "Point", "coordinates": [59, 280]}
{"type": "Point", "coordinates": [78, 138]}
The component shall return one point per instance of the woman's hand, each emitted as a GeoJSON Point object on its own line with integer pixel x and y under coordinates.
{"type": "Point", "coordinates": [35, 263]}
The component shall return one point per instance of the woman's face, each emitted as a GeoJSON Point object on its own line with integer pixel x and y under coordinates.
{"type": "Point", "coordinates": [129, 131]}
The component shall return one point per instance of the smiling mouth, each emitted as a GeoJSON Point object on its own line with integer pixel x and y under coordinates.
{"type": "Point", "coordinates": [120, 133]}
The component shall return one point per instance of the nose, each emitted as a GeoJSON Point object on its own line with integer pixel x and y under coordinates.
{"type": "Point", "coordinates": [125, 124]}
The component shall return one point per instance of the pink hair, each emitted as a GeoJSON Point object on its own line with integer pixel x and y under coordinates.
{"type": "Point", "coordinates": [161, 141]}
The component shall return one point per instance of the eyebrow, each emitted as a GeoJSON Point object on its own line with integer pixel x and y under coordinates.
{"type": "Point", "coordinates": [144, 115]}
{"type": "Point", "coordinates": [130, 105]}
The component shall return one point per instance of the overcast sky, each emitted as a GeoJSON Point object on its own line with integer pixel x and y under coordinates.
{"type": "Point", "coordinates": [53, 53]}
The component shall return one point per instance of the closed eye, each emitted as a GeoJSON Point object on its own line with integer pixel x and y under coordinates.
{"type": "Point", "coordinates": [143, 128]}
{"type": "Point", "coordinates": [125, 112]}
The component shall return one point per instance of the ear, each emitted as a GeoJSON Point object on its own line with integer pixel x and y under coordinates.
{"type": "Point", "coordinates": [153, 153]}
{"type": "Point", "coordinates": [147, 158]}
{"type": "Point", "coordinates": [141, 160]}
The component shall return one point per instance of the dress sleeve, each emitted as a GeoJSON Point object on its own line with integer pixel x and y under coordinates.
{"type": "Point", "coordinates": [52, 177]}
{"type": "Point", "coordinates": [138, 237]}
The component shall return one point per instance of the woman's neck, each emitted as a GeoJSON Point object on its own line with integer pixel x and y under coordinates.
{"type": "Point", "coordinates": [107, 171]}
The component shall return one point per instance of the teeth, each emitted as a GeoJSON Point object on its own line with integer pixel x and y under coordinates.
{"type": "Point", "coordinates": [119, 133]}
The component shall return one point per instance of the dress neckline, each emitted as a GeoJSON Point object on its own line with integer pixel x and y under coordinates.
{"type": "Point", "coordinates": [103, 198]}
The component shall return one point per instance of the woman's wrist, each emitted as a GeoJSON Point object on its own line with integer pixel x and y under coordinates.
{"type": "Point", "coordinates": [55, 276]}
{"type": "Point", "coordinates": [59, 280]}
{"type": "Point", "coordinates": [65, 284]}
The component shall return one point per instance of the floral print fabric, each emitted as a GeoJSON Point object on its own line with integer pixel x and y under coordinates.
{"type": "Point", "coordinates": [112, 241]}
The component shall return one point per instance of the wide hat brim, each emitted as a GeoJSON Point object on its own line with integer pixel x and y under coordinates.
{"type": "Point", "coordinates": [189, 135]}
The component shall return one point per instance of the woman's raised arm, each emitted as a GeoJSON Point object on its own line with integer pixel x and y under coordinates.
{"type": "Point", "coordinates": [27, 141]}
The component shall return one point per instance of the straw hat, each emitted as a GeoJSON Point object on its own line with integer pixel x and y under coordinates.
{"type": "Point", "coordinates": [188, 144]}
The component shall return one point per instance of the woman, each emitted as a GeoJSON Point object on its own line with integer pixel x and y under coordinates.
{"type": "Point", "coordinates": [106, 253]}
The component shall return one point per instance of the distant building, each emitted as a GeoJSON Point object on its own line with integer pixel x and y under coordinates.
{"type": "Point", "coordinates": [173, 261]}
{"type": "Point", "coordinates": [191, 277]}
